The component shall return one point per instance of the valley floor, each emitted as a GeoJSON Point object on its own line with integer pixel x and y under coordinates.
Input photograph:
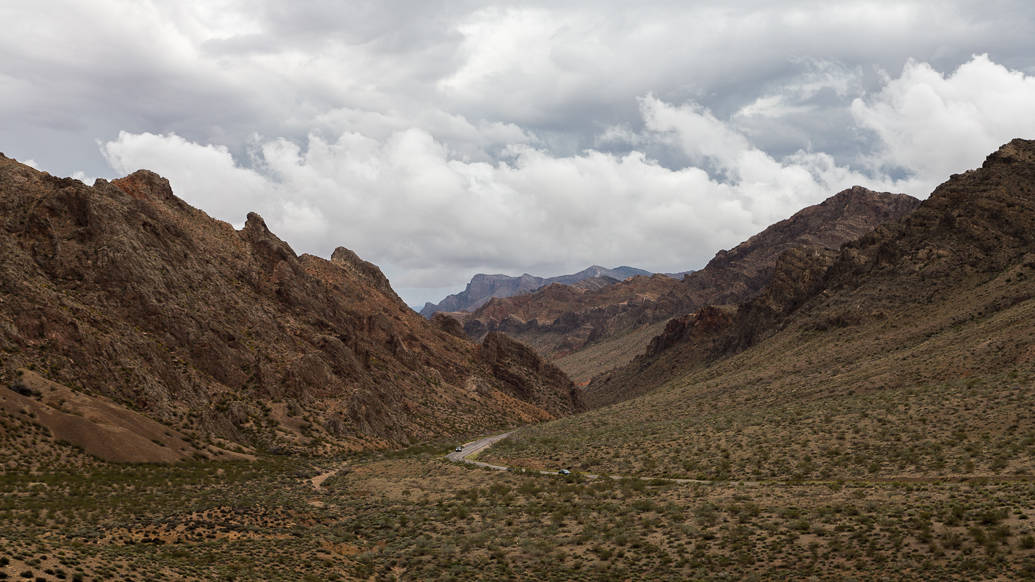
{"type": "Point", "coordinates": [412, 515]}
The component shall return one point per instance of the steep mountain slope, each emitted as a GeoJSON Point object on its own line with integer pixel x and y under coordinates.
{"type": "Point", "coordinates": [974, 224]}
{"type": "Point", "coordinates": [124, 291]}
{"type": "Point", "coordinates": [94, 424]}
{"type": "Point", "coordinates": [562, 322]}
{"type": "Point", "coordinates": [735, 275]}
{"type": "Point", "coordinates": [910, 352]}
{"type": "Point", "coordinates": [482, 287]}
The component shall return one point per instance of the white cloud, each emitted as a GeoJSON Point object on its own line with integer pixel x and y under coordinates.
{"type": "Point", "coordinates": [771, 106]}
{"type": "Point", "coordinates": [428, 217]}
{"type": "Point", "coordinates": [932, 124]}
{"type": "Point", "coordinates": [204, 175]}
{"type": "Point", "coordinates": [432, 215]}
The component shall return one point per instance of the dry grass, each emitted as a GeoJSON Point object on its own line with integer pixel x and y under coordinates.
{"type": "Point", "coordinates": [878, 450]}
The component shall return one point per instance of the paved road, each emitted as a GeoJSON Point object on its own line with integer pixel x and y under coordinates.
{"type": "Point", "coordinates": [476, 446]}
{"type": "Point", "coordinates": [469, 449]}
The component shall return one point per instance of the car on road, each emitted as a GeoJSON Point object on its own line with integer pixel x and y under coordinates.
{"type": "Point", "coordinates": [459, 448]}
{"type": "Point", "coordinates": [564, 472]}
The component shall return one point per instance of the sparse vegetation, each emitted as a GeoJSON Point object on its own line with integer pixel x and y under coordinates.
{"type": "Point", "coordinates": [418, 517]}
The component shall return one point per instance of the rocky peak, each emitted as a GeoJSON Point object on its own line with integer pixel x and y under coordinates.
{"type": "Point", "coordinates": [265, 245]}
{"type": "Point", "coordinates": [957, 245]}
{"type": "Point", "coordinates": [370, 272]}
{"type": "Point", "coordinates": [146, 185]}
{"type": "Point", "coordinates": [255, 223]}
{"type": "Point", "coordinates": [1017, 150]}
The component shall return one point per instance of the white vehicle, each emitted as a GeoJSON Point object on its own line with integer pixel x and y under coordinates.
{"type": "Point", "coordinates": [459, 448]}
{"type": "Point", "coordinates": [564, 472]}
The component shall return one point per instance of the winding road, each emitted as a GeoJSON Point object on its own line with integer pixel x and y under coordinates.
{"type": "Point", "coordinates": [476, 446]}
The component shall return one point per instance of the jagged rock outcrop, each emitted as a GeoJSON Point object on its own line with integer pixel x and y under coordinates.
{"type": "Point", "coordinates": [124, 291]}
{"type": "Point", "coordinates": [736, 275]}
{"type": "Point", "coordinates": [448, 324]}
{"type": "Point", "coordinates": [365, 270]}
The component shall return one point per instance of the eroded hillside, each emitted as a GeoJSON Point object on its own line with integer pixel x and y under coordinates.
{"type": "Point", "coordinates": [124, 291]}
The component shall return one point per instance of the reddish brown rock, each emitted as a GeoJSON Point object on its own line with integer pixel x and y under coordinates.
{"type": "Point", "coordinates": [124, 291]}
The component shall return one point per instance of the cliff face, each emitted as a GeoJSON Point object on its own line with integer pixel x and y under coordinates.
{"type": "Point", "coordinates": [125, 291]}
{"type": "Point", "coordinates": [482, 288]}
{"type": "Point", "coordinates": [965, 253]}
{"type": "Point", "coordinates": [526, 376]}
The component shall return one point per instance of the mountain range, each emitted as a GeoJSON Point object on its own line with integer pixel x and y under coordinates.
{"type": "Point", "coordinates": [906, 354]}
{"type": "Point", "coordinates": [962, 259]}
{"type": "Point", "coordinates": [589, 331]}
{"type": "Point", "coordinates": [483, 287]}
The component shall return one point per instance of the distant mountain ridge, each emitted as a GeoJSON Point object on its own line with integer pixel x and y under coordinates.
{"type": "Point", "coordinates": [484, 287]}
{"type": "Point", "coordinates": [562, 322]}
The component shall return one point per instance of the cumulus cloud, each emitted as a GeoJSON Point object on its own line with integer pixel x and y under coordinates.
{"type": "Point", "coordinates": [428, 217]}
{"type": "Point", "coordinates": [205, 175]}
{"type": "Point", "coordinates": [218, 71]}
{"type": "Point", "coordinates": [932, 124]}
{"type": "Point", "coordinates": [432, 215]}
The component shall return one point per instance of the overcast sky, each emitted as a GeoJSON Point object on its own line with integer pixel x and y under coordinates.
{"type": "Point", "coordinates": [442, 138]}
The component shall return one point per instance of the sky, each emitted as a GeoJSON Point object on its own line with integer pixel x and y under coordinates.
{"type": "Point", "coordinates": [439, 139]}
